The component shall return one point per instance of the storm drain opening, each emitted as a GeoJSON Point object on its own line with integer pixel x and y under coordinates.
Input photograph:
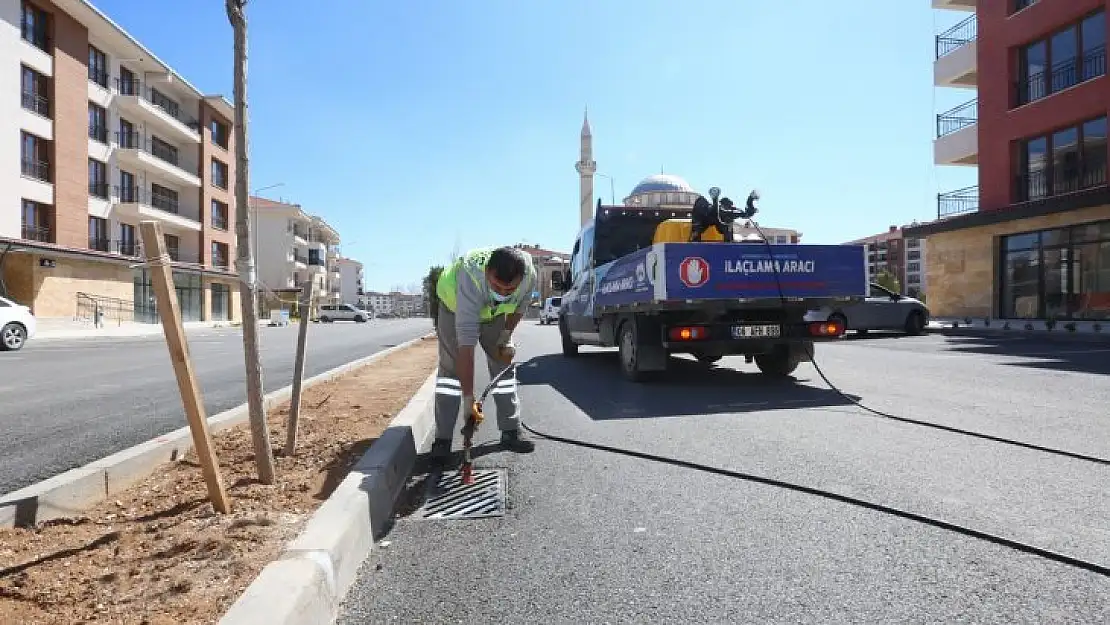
{"type": "Point", "coordinates": [449, 499]}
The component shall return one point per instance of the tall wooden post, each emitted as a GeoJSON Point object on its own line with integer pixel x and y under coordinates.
{"type": "Point", "coordinates": [298, 368]}
{"type": "Point", "coordinates": [260, 433]}
{"type": "Point", "coordinates": [157, 261]}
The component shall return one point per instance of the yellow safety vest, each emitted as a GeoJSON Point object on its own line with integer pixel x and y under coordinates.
{"type": "Point", "coordinates": [447, 286]}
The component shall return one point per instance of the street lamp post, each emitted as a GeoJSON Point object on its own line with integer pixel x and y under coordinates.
{"type": "Point", "coordinates": [612, 193]}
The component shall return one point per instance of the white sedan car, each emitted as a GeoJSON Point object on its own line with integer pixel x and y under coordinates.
{"type": "Point", "coordinates": [17, 325]}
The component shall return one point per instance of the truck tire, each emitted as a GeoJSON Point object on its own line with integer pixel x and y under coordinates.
{"type": "Point", "coordinates": [628, 344]}
{"type": "Point", "coordinates": [570, 348]}
{"type": "Point", "coordinates": [779, 363]}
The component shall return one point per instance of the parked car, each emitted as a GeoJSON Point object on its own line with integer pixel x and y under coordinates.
{"type": "Point", "coordinates": [17, 325]}
{"type": "Point", "coordinates": [550, 312]}
{"type": "Point", "coordinates": [883, 309]}
{"type": "Point", "coordinates": [343, 312]}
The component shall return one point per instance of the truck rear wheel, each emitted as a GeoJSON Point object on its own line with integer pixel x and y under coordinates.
{"type": "Point", "coordinates": [629, 348]}
{"type": "Point", "coordinates": [570, 348]}
{"type": "Point", "coordinates": [779, 363]}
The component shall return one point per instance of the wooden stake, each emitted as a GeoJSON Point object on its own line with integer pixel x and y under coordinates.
{"type": "Point", "coordinates": [154, 249]}
{"type": "Point", "coordinates": [248, 285]}
{"type": "Point", "coordinates": [298, 368]}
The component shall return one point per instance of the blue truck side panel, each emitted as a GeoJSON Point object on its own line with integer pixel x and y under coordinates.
{"type": "Point", "coordinates": [706, 271]}
{"type": "Point", "coordinates": [625, 280]}
{"type": "Point", "coordinates": [716, 271]}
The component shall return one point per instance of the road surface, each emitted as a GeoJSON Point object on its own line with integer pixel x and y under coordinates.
{"type": "Point", "coordinates": [592, 537]}
{"type": "Point", "coordinates": [64, 403]}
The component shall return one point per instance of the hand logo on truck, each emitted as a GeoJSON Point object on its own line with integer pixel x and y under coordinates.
{"type": "Point", "coordinates": [693, 272]}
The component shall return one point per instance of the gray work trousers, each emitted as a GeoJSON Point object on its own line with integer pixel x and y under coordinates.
{"type": "Point", "coordinates": [448, 397]}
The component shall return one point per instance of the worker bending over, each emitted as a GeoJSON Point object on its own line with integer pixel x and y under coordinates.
{"type": "Point", "coordinates": [483, 296]}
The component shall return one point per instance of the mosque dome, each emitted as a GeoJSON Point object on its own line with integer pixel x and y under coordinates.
{"type": "Point", "coordinates": [662, 183]}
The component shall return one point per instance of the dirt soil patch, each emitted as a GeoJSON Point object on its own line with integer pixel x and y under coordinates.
{"type": "Point", "coordinates": [159, 554]}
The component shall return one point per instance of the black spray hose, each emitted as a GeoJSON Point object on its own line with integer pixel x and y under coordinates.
{"type": "Point", "coordinates": [1016, 545]}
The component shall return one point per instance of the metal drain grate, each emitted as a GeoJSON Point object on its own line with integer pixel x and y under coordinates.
{"type": "Point", "coordinates": [449, 499]}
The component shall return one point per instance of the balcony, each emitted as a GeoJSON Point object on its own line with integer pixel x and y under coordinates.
{"type": "Point", "coordinates": [956, 63]}
{"type": "Point", "coordinates": [1044, 183]}
{"type": "Point", "coordinates": [36, 104]}
{"type": "Point", "coordinates": [100, 190]}
{"type": "Point", "coordinates": [300, 260]}
{"type": "Point", "coordinates": [957, 141]}
{"type": "Point", "coordinates": [36, 233]}
{"type": "Point", "coordinates": [1060, 76]}
{"type": "Point", "coordinates": [144, 204]}
{"type": "Point", "coordinates": [126, 247]}
{"type": "Point", "coordinates": [36, 170]}
{"type": "Point", "coordinates": [957, 202]}
{"type": "Point", "coordinates": [139, 99]}
{"type": "Point", "coordinates": [955, 5]}
{"type": "Point", "coordinates": [145, 152]}
{"type": "Point", "coordinates": [98, 133]}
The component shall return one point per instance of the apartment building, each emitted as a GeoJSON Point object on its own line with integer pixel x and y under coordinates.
{"type": "Point", "coordinates": [291, 247]}
{"type": "Point", "coordinates": [1032, 239]}
{"type": "Point", "coordinates": [350, 280]}
{"type": "Point", "coordinates": [108, 135]}
{"type": "Point", "coordinates": [777, 236]}
{"type": "Point", "coordinates": [901, 256]}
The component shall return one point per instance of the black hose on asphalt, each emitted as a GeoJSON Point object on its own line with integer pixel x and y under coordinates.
{"type": "Point", "coordinates": [1016, 545]}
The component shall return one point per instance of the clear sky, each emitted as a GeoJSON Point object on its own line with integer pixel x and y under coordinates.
{"type": "Point", "coordinates": [415, 127]}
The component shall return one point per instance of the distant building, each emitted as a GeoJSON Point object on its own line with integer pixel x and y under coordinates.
{"type": "Point", "coordinates": [903, 257]}
{"type": "Point", "coordinates": [350, 280]}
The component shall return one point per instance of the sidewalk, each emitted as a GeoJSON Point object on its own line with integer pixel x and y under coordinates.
{"type": "Point", "coordinates": [1086, 331]}
{"type": "Point", "coordinates": [56, 329]}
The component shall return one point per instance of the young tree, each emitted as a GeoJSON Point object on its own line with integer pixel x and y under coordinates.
{"type": "Point", "coordinates": [430, 282]}
{"type": "Point", "coordinates": [889, 281]}
{"type": "Point", "coordinates": [260, 432]}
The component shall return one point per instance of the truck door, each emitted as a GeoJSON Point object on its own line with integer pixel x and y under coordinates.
{"type": "Point", "coordinates": [585, 326]}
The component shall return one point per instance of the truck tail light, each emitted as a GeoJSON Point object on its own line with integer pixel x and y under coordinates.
{"type": "Point", "coordinates": [688, 333]}
{"type": "Point", "coordinates": [826, 328]}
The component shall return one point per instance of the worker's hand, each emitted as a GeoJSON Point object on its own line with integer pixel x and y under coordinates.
{"type": "Point", "coordinates": [506, 352]}
{"type": "Point", "coordinates": [471, 408]}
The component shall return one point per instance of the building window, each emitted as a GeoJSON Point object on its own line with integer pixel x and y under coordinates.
{"type": "Point", "coordinates": [173, 246]}
{"type": "Point", "coordinates": [221, 301]}
{"type": "Point", "coordinates": [1022, 4]}
{"type": "Point", "coordinates": [98, 123]}
{"type": "Point", "coordinates": [219, 215]}
{"type": "Point", "coordinates": [98, 67]}
{"type": "Point", "coordinates": [34, 156]}
{"type": "Point", "coordinates": [163, 198]}
{"type": "Point", "coordinates": [127, 84]}
{"type": "Point", "coordinates": [98, 179]}
{"type": "Point", "coordinates": [127, 138]}
{"type": "Point", "coordinates": [1057, 273]}
{"type": "Point", "coordinates": [34, 22]}
{"type": "Point", "coordinates": [36, 222]}
{"type": "Point", "coordinates": [128, 191]}
{"type": "Point", "coordinates": [35, 92]}
{"type": "Point", "coordinates": [220, 133]}
{"type": "Point", "coordinates": [128, 242]}
{"type": "Point", "coordinates": [915, 266]}
{"type": "Point", "coordinates": [1066, 58]}
{"type": "Point", "coordinates": [1067, 160]}
{"type": "Point", "coordinates": [913, 243]}
{"type": "Point", "coordinates": [98, 234]}
{"type": "Point", "coordinates": [219, 255]}
{"type": "Point", "coordinates": [219, 174]}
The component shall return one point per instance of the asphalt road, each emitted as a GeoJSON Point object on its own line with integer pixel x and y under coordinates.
{"type": "Point", "coordinates": [64, 403]}
{"type": "Point", "coordinates": [592, 537]}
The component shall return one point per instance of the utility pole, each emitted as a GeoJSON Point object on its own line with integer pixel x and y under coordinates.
{"type": "Point", "coordinates": [260, 432]}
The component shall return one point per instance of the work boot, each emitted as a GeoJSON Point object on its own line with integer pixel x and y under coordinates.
{"type": "Point", "coordinates": [441, 451]}
{"type": "Point", "coordinates": [514, 441]}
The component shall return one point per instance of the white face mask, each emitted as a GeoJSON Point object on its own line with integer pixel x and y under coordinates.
{"type": "Point", "coordinates": [499, 298]}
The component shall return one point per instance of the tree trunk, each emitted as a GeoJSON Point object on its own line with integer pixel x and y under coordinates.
{"type": "Point", "coordinates": [260, 432]}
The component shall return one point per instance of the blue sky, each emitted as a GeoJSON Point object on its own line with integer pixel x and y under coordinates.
{"type": "Point", "coordinates": [416, 127]}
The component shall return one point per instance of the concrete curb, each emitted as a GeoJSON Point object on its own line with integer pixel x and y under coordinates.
{"type": "Point", "coordinates": [68, 493]}
{"type": "Point", "coordinates": [306, 584]}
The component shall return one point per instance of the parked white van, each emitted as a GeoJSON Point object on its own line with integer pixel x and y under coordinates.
{"type": "Point", "coordinates": [343, 312]}
{"type": "Point", "coordinates": [550, 312]}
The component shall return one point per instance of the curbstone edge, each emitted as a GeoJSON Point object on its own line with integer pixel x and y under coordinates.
{"type": "Point", "coordinates": [341, 533]}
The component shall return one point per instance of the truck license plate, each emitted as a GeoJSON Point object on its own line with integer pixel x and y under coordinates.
{"type": "Point", "coordinates": [756, 332]}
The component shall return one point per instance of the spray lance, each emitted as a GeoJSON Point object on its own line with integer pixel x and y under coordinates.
{"type": "Point", "coordinates": [473, 420]}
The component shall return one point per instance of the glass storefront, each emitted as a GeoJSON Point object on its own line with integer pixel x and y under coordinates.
{"type": "Point", "coordinates": [221, 301]}
{"type": "Point", "coordinates": [189, 296]}
{"type": "Point", "coordinates": [1062, 273]}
